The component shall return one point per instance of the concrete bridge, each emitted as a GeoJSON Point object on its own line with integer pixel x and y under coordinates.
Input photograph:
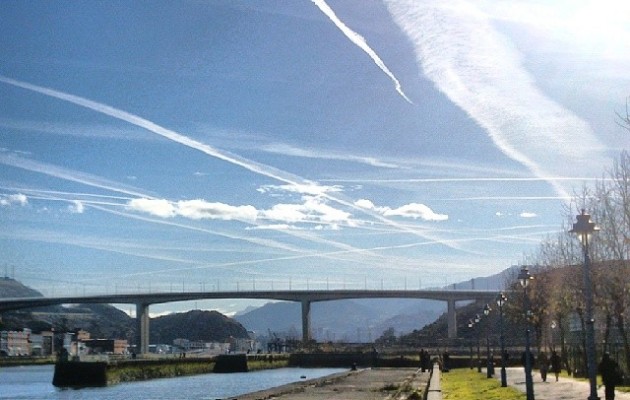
{"type": "Point", "coordinates": [305, 297]}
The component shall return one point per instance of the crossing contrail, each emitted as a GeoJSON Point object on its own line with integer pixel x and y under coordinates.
{"type": "Point", "coordinates": [249, 165]}
{"type": "Point", "coordinates": [360, 41]}
{"type": "Point", "coordinates": [155, 128]}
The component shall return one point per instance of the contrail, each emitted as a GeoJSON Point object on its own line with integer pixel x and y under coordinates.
{"type": "Point", "coordinates": [361, 43]}
{"type": "Point", "coordinates": [64, 173]}
{"type": "Point", "coordinates": [155, 128]}
{"type": "Point", "coordinates": [249, 165]}
{"type": "Point", "coordinates": [477, 68]}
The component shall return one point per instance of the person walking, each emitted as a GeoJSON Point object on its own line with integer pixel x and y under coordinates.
{"type": "Point", "coordinates": [543, 365]}
{"type": "Point", "coordinates": [423, 360]}
{"type": "Point", "coordinates": [556, 364]}
{"type": "Point", "coordinates": [611, 375]}
{"type": "Point", "coordinates": [446, 361]}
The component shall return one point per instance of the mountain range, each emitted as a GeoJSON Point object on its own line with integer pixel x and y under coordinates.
{"type": "Point", "coordinates": [361, 320]}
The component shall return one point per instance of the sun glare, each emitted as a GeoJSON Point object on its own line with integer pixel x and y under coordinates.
{"type": "Point", "coordinates": [601, 26]}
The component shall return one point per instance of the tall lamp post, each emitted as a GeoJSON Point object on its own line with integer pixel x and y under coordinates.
{"type": "Point", "coordinates": [524, 277]}
{"type": "Point", "coordinates": [553, 327]}
{"type": "Point", "coordinates": [477, 320]}
{"type": "Point", "coordinates": [486, 312]}
{"type": "Point", "coordinates": [501, 299]}
{"type": "Point", "coordinates": [471, 324]}
{"type": "Point", "coordinates": [584, 228]}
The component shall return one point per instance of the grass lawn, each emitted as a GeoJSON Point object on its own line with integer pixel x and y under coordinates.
{"type": "Point", "coordinates": [468, 384]}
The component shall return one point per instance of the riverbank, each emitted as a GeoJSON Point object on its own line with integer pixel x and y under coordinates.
{"type": "Point", "coordinates": [23, 361]}
{"type": "Point", "coordinates": [35, 382]}
{"type": "Point", "coordinates": [103, 373]}
{"type": "Point", "coordinates": [364, 384]}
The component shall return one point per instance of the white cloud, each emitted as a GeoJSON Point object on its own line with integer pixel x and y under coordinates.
{"type": "Point", "coordinates": [364, 203]}
{"type": "Point", "coordinates": [526, 214]}
{"type": "Point", "coordinates": [416, 210]}
{"type": "Point", "coordinates": [11, 199]}
{"type": "Point", "coordinates": [313, 209]}
{"type": "Point", "coordinates": [192, 209]}
{"type": "Point", "coordinates": [286, 212]}
{"type": "Point", "coordinates": [201, 209]}
{"type": "Point", "coordinates": [412, 210]}
{"type": "Point", "coordinates": [158, 207]}
{"type": "Point", "coordinates": [76, 207]}
{"type": "Point", "coordinates": [325, 212]}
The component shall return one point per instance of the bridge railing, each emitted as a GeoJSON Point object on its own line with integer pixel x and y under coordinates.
{"type": "Point", "coordinates": [191, 286]}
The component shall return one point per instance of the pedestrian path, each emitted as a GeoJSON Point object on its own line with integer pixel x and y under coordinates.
{"type": "Point", "coordinates": [564, 389]}
{"type": "Point", "coordinates": [434, 391]}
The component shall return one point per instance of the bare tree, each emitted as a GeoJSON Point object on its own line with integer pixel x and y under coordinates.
{"type": "Point", "coordinates": [624, 118]}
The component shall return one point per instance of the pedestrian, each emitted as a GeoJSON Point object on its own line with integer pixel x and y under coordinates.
{"type": "Point", "coordinates": [446, 361]}
{"type": "Point", "coordinates": [423, 361]}
{"type": "Point", "coordinates": [556, 364]}
{"type": "Point", "coordinates": [543, 365]}
{"type": "Point", "coordinates": [427, 360]}
{"type": "Point", "coordinates": [611, 375]}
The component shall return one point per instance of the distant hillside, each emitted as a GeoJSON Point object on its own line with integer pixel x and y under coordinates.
{"type": "Point", "coordinates": [12, 288]}
{"type": "Point", "coordinates": [359, 319]}
{"type": "Point", "coordinates": [106, 321]}
{"type": "Point", "coordinates": [343, 320]}
{"type": "Point", "coordinates": [206, 326]}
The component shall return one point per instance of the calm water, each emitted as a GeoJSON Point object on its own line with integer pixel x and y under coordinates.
{"type": "Point", "coordinates": [34, 383]}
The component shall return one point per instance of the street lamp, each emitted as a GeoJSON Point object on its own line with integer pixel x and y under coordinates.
{"type": "Point", "coordinates": [477, 320]}
{"type": "Point", "coordinates": [524, 277]}
{"type": "Point", "coordinates": [486, 311]}
{"type": "Point", "coordinates": [501, 299]}
{"type": "Point", "coordinates": [470, 326]}
{"type": "Point", "coordinates": [553, 326]}
{"type": "Point", "coordinates": [584, 228]}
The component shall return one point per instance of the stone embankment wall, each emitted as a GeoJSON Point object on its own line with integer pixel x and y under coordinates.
{"type": "Point", "coordinates": [83, 374]}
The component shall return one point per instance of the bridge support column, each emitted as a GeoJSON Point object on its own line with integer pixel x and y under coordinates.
{"type": "Point", "coordinates": [306, 321]}
{"type": "Point", "coordinates": [142, 335]}
{"type": "Point", "coordinates": [451, 318]}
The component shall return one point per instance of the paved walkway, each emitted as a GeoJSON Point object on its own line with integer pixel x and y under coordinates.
{"type": "Point", "coordinates": [564, 389]}
{"type": "Point", "coordinates": [366, 384]}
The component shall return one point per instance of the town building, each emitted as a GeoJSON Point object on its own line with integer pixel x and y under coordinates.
{"type": "Point", "coordinates": [15, 343]}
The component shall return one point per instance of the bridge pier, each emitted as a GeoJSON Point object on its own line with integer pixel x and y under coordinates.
{"type": "Point", "coordinates": [451, 318]}
{"type": "Point", "coordinates": [142, 334]}
{"type": "Point", "coordinates": [306, 321]}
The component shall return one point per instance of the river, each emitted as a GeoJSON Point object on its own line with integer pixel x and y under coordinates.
{"type": "Point", "coordinates": [34, 383]}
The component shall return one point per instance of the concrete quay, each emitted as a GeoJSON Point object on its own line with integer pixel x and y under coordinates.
{"type": "Point", "coordinates": [363, 384]}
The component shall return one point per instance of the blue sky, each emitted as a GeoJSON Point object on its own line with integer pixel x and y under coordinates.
{"type": "Point", "coordinates": [306, 144]}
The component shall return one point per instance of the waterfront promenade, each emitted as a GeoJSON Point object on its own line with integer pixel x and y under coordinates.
{"type": "Point", "coordinates": [400, 383]}
{"type": "Point", "coordinates": [565, 389]}
{"type": "Point", "coordinates": [364, 384]}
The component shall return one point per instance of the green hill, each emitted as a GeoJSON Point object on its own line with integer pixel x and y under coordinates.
{"type": "Point", "coordinates": [106, 321]}
{"type": "Point", "coordinates": [206, 326]}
